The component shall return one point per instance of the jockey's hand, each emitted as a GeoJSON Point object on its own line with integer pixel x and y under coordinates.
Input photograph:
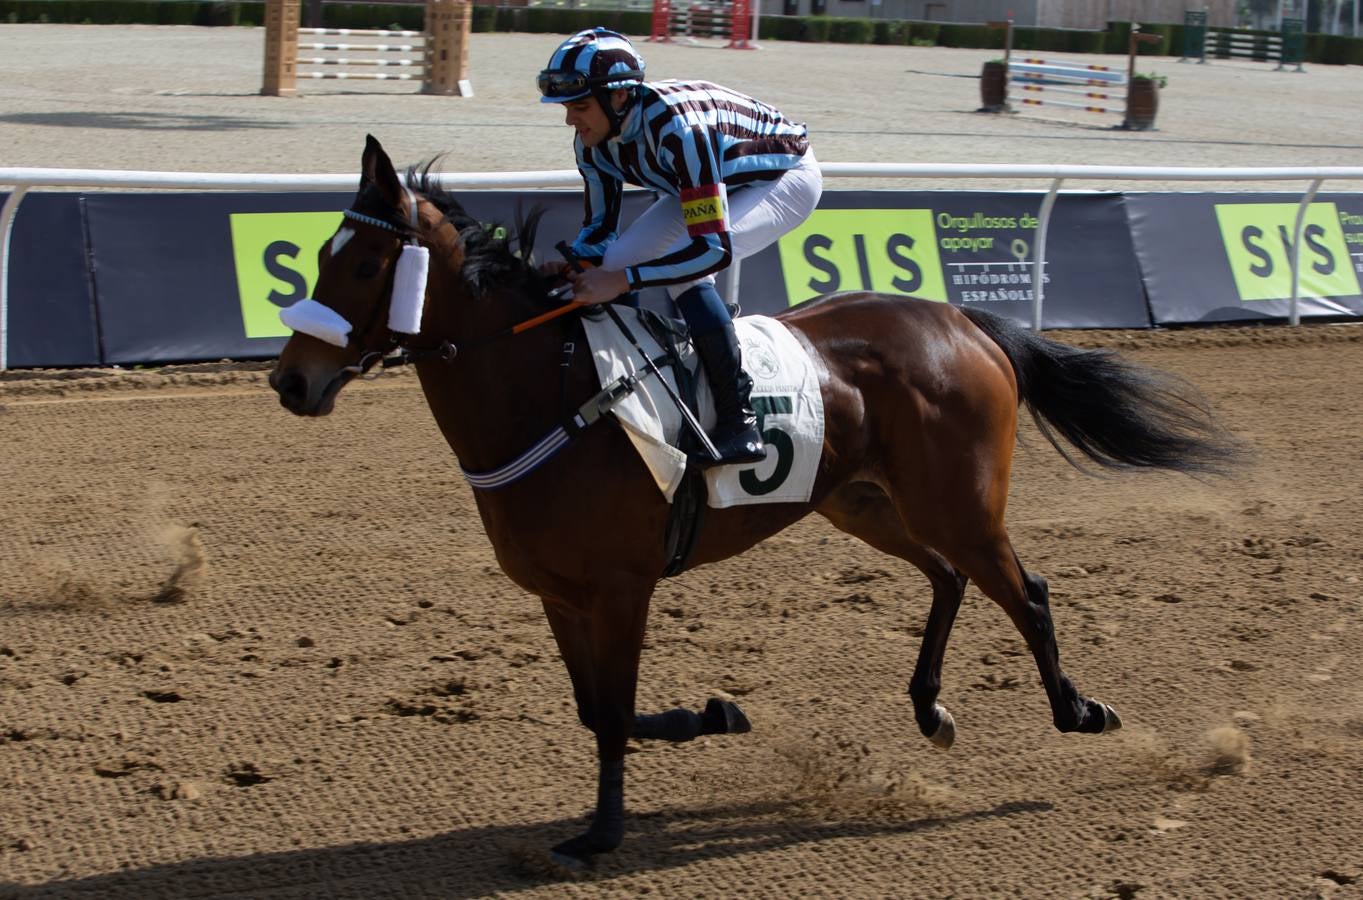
{"type": "Point", "coordinates": [598, 285]}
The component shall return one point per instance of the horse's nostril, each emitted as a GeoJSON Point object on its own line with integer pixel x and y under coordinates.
{"type": "Point", "coordinates": [291, 387]}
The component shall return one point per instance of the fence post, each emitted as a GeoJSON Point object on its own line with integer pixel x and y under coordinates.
{"type": "Point", "coordinates": [448, 23]}
{"type": "Point", "coordinates": [281, 48]}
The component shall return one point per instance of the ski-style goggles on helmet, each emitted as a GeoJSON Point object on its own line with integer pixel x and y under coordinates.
{"type": "Point", "coordinates": [556, 84]}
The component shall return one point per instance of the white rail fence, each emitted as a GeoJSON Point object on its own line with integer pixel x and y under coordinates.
{"type": "Point", "coordinates": [21, 180]}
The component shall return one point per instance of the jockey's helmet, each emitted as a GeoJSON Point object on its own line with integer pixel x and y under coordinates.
{"type": "Point", "coordinates": [596, 62]}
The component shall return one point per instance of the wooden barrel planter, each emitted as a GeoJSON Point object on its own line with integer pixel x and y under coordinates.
{"type": "Point", "coordinates": [1142, 102]}
{"type": "Point", "coordinates": [994, 87]}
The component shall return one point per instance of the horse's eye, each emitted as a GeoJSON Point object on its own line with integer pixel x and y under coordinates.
{"type": "Point", "coordinates": [367, 269]}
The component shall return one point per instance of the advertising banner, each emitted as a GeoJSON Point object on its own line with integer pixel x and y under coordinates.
{"type": "Point", "coordinates": [174, 277]}
{"type": "Point", "coordinates": [194, 276]}
{"type": "Point", "coordinates": [968, 248]}
{"type": "Point", "coordinates": [1227, 257]}
{"type": "Point", "coordinates": [51, 309]}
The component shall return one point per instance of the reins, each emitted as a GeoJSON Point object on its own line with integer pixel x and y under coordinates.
{"type": "Point", "coordinates": [448, 350]}
{"type": "Point", "coordinates": [406, 304]}
{"type": "Point", "coordinates": [445, 351]}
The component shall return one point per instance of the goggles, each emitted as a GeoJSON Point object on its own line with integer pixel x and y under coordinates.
{"type": "Point", "coordinates": [556, 84]}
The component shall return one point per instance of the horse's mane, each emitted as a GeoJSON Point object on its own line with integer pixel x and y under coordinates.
{"type": "Point", "coordinates": [489, 261]}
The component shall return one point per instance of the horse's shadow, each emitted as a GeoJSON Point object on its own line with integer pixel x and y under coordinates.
{"type": "Point", "coordinates": [476, 862]}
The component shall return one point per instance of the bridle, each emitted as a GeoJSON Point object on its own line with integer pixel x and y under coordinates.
{"type": "Point", "coordinates": [407, 292]}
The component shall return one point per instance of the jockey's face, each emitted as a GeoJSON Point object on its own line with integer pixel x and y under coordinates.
{"type": "Point", "coordinates": [588, 119]}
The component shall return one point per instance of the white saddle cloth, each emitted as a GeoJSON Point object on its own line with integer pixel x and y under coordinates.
{"type": "Point", "coordinates": [785, 396]}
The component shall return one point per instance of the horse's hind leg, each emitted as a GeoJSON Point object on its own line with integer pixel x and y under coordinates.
{"type": "Point", "coordinates": [1071, 710]}
{"type": "Point", "coordinates": [865, 511]}
{"type": "Point", "coordinates": [990, 562]}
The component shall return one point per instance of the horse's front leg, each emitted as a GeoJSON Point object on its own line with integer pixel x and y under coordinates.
{"type": "Point", "coordinates": [600, 641]}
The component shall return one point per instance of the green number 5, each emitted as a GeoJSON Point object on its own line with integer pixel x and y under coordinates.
{"type": "Point", "coordinates": [778, 442]}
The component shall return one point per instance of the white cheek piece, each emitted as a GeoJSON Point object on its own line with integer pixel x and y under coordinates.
{"type": "Point", "coordinates": [409, 281]}
{"type": "Point", "coordinates": [409, 290]}
{"type": "Point", "coordinates": [322, 322]}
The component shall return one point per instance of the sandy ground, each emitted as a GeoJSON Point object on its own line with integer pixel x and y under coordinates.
{"type": "Point", "coordinates": [186, 98]}
{"type": "Point", "coordinates": [246, 655]}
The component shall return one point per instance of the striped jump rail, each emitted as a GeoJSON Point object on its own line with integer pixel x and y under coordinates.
{"type": "Point", "coordinates": [436, 56]}
{"type": "Point", "coordinates": [1075, 79]}
{"type": "Point", "coordinates": [361, 69]}
{"type": "Point", "coordinates": [1072, 84]}
{"type": "Point", "coordinates": [361, 32]}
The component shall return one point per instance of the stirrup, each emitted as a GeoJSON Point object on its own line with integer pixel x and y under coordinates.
{"type": "Point", "coordinates": [743, 448]}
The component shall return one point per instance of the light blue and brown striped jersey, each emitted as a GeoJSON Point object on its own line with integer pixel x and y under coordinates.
{"type": "Point", "coordinates": [695, 141]}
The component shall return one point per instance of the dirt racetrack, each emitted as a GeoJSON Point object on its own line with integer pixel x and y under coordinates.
{"type": "Point", "coordinates": [339, 695]}
{"type": "Point", "coordinates": [247, 655]}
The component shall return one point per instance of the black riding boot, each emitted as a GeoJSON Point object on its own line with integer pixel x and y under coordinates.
{"type": "Point", "coordinates": [735, 434]}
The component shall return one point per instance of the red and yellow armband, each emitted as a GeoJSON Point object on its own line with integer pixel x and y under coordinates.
{"type": "Point", "coordinates": [705, 209]}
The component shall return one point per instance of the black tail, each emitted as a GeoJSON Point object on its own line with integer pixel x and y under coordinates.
{"type": "Point", "coordinates": [1118, 414]}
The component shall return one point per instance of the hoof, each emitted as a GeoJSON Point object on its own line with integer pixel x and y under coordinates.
{"type": "Point", "coordinates": [724, 717]}
{"type": "Point", "coordinates": [945, 735]}
{"type": "Point", "coordinates": [578, 852]}
{"type": "Point", "coordinates": [574, 864]}
{"type": "Point", "coordinates": [1111, 721]}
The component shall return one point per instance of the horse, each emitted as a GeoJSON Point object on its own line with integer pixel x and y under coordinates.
{"type": "Point", "coordinates": [921, 403]}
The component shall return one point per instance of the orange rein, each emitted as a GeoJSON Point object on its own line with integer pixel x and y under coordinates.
{"type": "Point", "coordinates": [549, 316]}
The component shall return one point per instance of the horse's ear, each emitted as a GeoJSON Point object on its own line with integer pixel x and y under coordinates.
{"type": "Point", "coordinates": [377, 169]}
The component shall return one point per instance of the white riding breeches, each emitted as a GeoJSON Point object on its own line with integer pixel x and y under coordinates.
{"type": "Point", "coordinates": [759, 214]}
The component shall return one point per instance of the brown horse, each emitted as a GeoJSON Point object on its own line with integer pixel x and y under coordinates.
{"type": "Point", "coordinates": [921, 406]}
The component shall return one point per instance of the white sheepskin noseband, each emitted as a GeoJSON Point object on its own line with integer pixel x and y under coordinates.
{"type": "Point", "coordinates": [322, 322]}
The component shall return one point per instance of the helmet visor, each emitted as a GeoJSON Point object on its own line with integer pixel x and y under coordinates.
{"type": "Point", "coordinates": [559, 85]}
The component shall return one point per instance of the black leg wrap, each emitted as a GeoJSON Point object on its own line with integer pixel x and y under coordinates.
{"type": "Point", "coordinates": [681, 725]}
{"type": "Point", "coordinates": [609, 822]}
{"type": "Point", "coordinates": [608, 825]}
{"type": "Point", "coordinates": [676, 725]}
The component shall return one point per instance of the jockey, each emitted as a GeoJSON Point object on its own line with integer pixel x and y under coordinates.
{"type": "Point", "coordinates": [732, 175]}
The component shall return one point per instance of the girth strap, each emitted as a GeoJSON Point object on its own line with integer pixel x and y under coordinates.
{"type": "Point", "coordinates": [546, 447]}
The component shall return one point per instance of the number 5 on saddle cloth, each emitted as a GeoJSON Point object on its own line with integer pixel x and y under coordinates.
{"type": "Point", "coordinates": [785, 397]}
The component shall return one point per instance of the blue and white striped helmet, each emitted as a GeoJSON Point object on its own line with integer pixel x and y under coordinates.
{"type": "Point", "coordinates": [591, 61]}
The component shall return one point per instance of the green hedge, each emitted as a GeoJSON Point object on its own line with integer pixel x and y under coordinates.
{"type": "Point", "coordinates": [953, 35]}
{"type": "Point", "coordinates": [891, 31]}
{"type": "Point", "coordinates": [129, 12]}
{"type": "Point", "coordinates": [780, 28]}
{"type": "Point", "coordinates": [1334, 49]}
{"type": "Point", "coordinates": [373, 15]}
{"type": "Point", "coordinates": [544, 20]}
{"type": "Point", "coordinates": [1320, 48]}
